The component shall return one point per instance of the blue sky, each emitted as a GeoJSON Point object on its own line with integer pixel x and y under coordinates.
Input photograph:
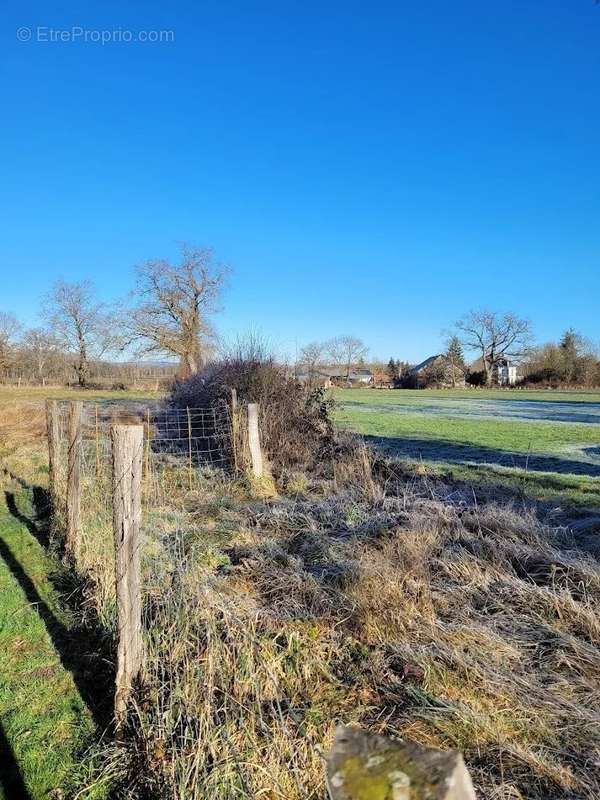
{"type": "Point", "coordinates": [367, 168]}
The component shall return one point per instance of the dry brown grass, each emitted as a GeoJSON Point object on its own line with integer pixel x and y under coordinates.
{"type": "Point", "coordinates": [20, 425]}
{"type": "Point", "coordinates": [411, 614]}
{"type": "Point", "coordinates": [372, 596]}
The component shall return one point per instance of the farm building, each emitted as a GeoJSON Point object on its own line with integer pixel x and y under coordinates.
{"type": "Point", "coordinates": [436, 371]}
{"type": "Point", "coordinates": [334, 376]}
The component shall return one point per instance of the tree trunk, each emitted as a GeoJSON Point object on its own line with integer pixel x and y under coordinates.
{"type": "Point", "coordinates": [190, 363]}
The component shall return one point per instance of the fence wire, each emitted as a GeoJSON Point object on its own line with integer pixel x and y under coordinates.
{"type": "Point", "coordinates": [191, 438]}
{"type": "Point", "coordinates": [181, 447]}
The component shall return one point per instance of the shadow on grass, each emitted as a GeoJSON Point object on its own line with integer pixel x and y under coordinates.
{"type": "Point", "coordinates": [80, 649]}
{"type": "Point", "coordinates": [441, 450]}
{"type": "Point", "coordinates": [39, 527]}
{"type": "Point", "coordinates": [11, 780]}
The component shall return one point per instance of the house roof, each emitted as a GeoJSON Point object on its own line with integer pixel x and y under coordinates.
{"type": "Point", "coordinates": [424, 364]}
{"type": "Point", "coordinates": [477, 365]}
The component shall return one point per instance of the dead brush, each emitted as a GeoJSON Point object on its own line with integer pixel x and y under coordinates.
{"type": "Point", "coordinates": [353, 466]}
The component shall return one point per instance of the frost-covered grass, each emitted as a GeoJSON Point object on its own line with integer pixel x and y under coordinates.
{"type": "Point", "coordinates": [545, 443]}
{"type": "Point", "coordinates": [421, 397]}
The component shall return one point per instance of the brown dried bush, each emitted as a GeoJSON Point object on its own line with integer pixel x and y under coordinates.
{"type": "Point", "coordinates": [296, 429]}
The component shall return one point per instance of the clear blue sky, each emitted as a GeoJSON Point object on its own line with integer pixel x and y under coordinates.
{"type": "Point", "coordinates": [370, 168]}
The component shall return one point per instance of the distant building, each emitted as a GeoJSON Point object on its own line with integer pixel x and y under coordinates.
{"type": "Point", "coordinates": [505, 374]}
{"type": "Point", "coordinates": [334, 376]}
{"type": "Point", "coordinates": [436, 371]}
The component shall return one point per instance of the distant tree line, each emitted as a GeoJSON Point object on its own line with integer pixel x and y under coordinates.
{"type": "Point", "coordinates": [345, 353]}
{"type": "Point", "coordinates": [168, 314]}
{"type": "Point", "coordinates": [572, 361]}
{"type": "Point", "coordinates": [496, 341]}
{"type": "Point", "coordinates": [81, 339]}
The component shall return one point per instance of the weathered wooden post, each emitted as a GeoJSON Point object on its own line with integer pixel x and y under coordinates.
{"type": "Point", "coordinates": [254, 439]}
{"type": "Point", "coordinates": [53, 434]}
{"type": "Point", "coordinates": [364, 766]}
{"type": "Point", "coordinates": [73, 478]}
{"type": "Point", "coordinates": [234, 429]}
{"type": "Point", "coordinates": [148, 445]}
{"type": "Point", "coordinates": [190, 461]}
{"type": "Point", "coordinates": [127, 451]}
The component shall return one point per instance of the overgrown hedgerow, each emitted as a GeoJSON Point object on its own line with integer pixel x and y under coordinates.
{"type": "Point", "coordinates": [296, 429]}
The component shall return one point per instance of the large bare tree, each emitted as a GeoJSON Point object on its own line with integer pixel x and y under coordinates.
{"type": "Point", "coordinates": [80, 323]}
{"type": "Point", "coordinates": [347, 352]}
{"type": "Point", "coordinates": [497, 337]}
{"type": "Point", "coordinates": [311, 358]}
{"type": "Point", "coordinates": [174, 305]}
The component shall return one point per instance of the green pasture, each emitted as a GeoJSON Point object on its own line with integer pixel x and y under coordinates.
{"type": "Point", "coordinates": [531, 440]}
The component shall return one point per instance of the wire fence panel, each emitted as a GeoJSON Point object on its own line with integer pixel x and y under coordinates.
{"type": "Point", "coordinates": [180, 448]}
{"type": "Point", "coordinates": [192, 438]}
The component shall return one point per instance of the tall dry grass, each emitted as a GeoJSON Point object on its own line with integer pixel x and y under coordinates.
{"type": "Point", "coordinates": [406, 611]}
{"type": "Point", "coordinates": [365, 594]}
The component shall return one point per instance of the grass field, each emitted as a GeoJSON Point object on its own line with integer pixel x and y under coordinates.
{"type": "Point", "coordinates": [25, 394]}
{"type": "Point", "coordinates": [44, 721]}
{"type": "Point", "coordinates": [368, 594]}
{"type": "Point", "coordinates": [549, 439]}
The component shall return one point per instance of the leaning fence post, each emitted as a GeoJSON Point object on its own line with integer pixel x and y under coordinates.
{"type": "Point", "coordinates": [254, 439]}
{"type": "Point", "coordinates": [127, 450]}
{"type": "Point", "coordinates": [74, 477]}
{"type": "Point", "coordinates": [53, 435]}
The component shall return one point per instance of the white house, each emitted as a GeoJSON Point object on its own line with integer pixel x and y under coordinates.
{"type": "Point", "coordinates": [506, 373]}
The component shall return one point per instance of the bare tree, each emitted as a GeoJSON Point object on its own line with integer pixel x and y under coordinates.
{"type": "Point", "coordinates": [41, 348]}
{"type": "Point", "coordinates": [172, 317]}
{"type": "Point", "coordinates": [80, 323]}
{"type": "Point", "coordinates": [9, 329]}
{"type": "Point", "coordinates": [346, 351]}
{"type": "Point", "coordinates": [311, 358]}
{"type": "Point", "coordinates": [497, 337]}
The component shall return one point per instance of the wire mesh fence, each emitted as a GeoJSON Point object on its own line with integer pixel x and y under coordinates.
{"type": "Point", "coordinates": [180, 449]}
{"type": "Point", "coordinates": [187, 438]}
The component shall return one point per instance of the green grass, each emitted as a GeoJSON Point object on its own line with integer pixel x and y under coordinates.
{"type": "Point", "coordinates": [449, 439]}
{"type": "Point", "coordinates": [430, 396]}
{"type": "Point", "coordinates": [568, 491]}
{"type": "Point", "coordinates": [514, 436]}
{"type": "Point", "coordinates": [44, 721]}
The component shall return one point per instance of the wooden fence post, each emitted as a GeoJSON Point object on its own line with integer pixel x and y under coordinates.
{"type": "Point", "coordinates": [254, 439]}
{"type": "Point", "coordinates": [53, 434]}
{"type": "Point", "coordinates": [190, 461]}
{"type": "Point", "coordinates": [234, 429]}
{"type": "Point", "coordinates": [74, 478]}
{"type": "Point", "coordinates": [127, 451]}
{"type": "Point", "coordinates": [363, 766]}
